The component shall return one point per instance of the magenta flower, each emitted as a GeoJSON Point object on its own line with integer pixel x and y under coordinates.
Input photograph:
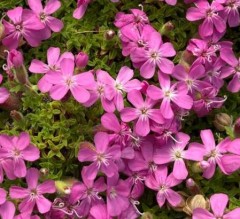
{"type": "Point", "coordinates": [87, 192]}
{"type": "Point", "coordinates": [53, 65]}
{"type": "Point", "coordinates": [98, 90]}
{"type": "Point", "coordinates": [231, 12]}
{"type": "Point", "coordinates": [132, 38]}
{"type": "Point", "coordinates": [123, 83]}
{"type": "Point", "coordinates": [7, 208]}
{"type": "Point", "coordinates": [99, 212]}
{"type": "Point", "coordinates": [202, 50]}
{"type": "Point", "coordinates": [117, 195]}
{"type": "Point", "coordinates": [118, 132]}
{"type": "Point", "coordinates": [50, 23]}
{"type": "Point", "coordinates": [65, 80]}
{"type": "Point", "coordinates": [102, 157]}
{"type": "Point", "coordinates": [191, 78]}
{"type": "Point", "coordinates": [33, 195]}
{"type": "Point", "coordinates": [4, 93]}
{"type": "Point", "coordinates": [218, 203]}
{"type": "Point", "coordinates": [162, 183]}
{"type": "Point", "coordinates": [143, 113]}
{"type": "Point", "coordinates": [144, 160]}
{"type": "Point", "coordinates": [18, 148]}
{"type": "Point", "coordinates": [205, 99]}
{"type": "Point", "coordinates": [212, 21]}
{"type": "Point", "coordinates": [176, 93]}
{"type": "Point", "coordinates": [137, 19]}
{"type": "Point", "coordinates": [234, 68]}
{"type": "Point", "coordinates": [213, 153]}
{"type": "Point", "coordinates": [6, 165]}
{"type": "Point", "coordinates": [155, 56]}
{"type": "Point", "coordinates": [231, 161]}
{"type": "Point", "coordinates": [24, 23]}
{"type": "Point", "coordinates": [174, 152]}
{"type": "Point", "coordinates": [81, 8]}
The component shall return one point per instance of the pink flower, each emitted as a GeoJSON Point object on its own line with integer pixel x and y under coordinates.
{"type": "Point", "coordinates": [171, 2]}
{"type": "Point", "coordinates": [231, 161]}
{"type": "Point", "coordinates": [155, 56]}
{"type": "Point", "coordinates": [234, 68]}
{"type": "Point", "coordinates": [202, 50]}
{"type": "Point", "coordinates": [87, 193]}
{"type": "Point", "coordinates": [54, 60]}
{"type": "Point", "coordinates": [33, 195]}
{"type": "Point", "coordinates": [218, 203]}
{"type": "Point", "coordinates": [98, 90]}
{"type": "Point", "coordinates": [212, 21]}
{"type": "Point", "coordinates": [7, 208]}
{"type": "Point", "coordinates": [123, 83]}
{"type": "Point", "coordinates": [191, 78]}
{"type": "Point", "coordinates": [205, 99]}
{"type": "Point", "coordinates": [117, 195]}
{"type": "Point", "coordinates": [65, 80]}
{"type": "Point", "coordinates": [50, 23]}
{"type": "Point", "coordinates": [24, 23]}
{"type": "Point", "coordinates": [174, 152]}
{"type": "Point", "coordinates": [176, 93]}
{"type": "Point", "coordinates": [118, 132]}
{"type": "Point", "coordinates": [143, 113]}
{"type": "Point", "coordinates": [81, 8]}
{"type": "Point", "coordinates": [102, 157]}
{"type": "Point", "coordinates": [231, 12]}
{"type": "Point", "coordinates": [137, 19]}
{"type": "Point", "coordinates": [133, 38]}
{"type": "Point", "coordinates": [99, 212]}
{"type": "Point", "coordinates": [18, 148]}
{"type": "Point", "coordinates": [162, 183]}
{"type": "Point", "coordinates": [4, 93]}
{"type": "Point", "coordinates": [213, 153]}
{"type": "Point", "coordinates": [144, 159]}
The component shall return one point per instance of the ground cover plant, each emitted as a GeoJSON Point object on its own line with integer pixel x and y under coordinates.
{"type": "Point", "coordinates": [119, 109]}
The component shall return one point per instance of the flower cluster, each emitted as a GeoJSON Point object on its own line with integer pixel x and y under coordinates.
{"type": "Point", "coordinates": [140, 143]}
{"type": "Point", "coordinates": [32, 25]}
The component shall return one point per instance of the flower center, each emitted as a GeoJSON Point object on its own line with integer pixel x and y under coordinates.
{"type": "Point", "coordinates": [210, 13]}
{"type": "Point", "coordinates": [19, 27]}
{"type": "Point", "coordinates": [69, 82]}
{"type": "Point", "coordinates": [43, 17]}
{"type": "Point", "coordinates": [100, 89]}
{"type": "Point", "coordinates": [144, 111]}
{"type": "Point", "coordinates": [163, 188]}
{"type": "Point", "coordinates": [113, 193]}
{"type": "Point", "coordinates": [119, 86]}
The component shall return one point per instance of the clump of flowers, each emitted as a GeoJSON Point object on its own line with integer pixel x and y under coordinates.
{"type": "Point", "coordinates": [142, 154]}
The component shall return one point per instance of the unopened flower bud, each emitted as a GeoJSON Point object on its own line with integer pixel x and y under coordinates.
{"type": "Point", "coordinates": [204, 165]}
{"type": "Point", "coordinates": [192, 186]}
{"type": "Point", "coordinates": [44, 171]}
{"type": "Point", "coordinates": [16, 115]}
{"type": "Point", "coordinates": [109, 34]}
{"type": "Point", "coordinates": [64, 187]}
{"type": "Point", "coordinates": [197, 201]}
{"type": "Point", "coordinates": [147, 215]}
{"type": "Point", "coordinates": [190, 183]}
{"type": "Point", "coordinates": [221, 121]}
{"type": "Point", "coordinates": [16, 58]}
{"type": "Point", "coordinates": [186, 59]}
{"type": "Point", "coordinates": [166, 28]}
{"type": "Point", "coordinates": [81, 60]}
{"type": "Point", "coordinates": [2, 30]}
{"type": "Point", "coordinates": [237, 128]}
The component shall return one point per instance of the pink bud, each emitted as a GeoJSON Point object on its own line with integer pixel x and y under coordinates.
{"type": "Point", "coordinates": [145, 86]}
{"type": "Point", "coordinates": [204, 164]}
{"type": "Point", "coordinates": [237, 128]}
{"type": "Point", "coordinates": [81, 60]}
{"type": "Point", "coordinates": [190, 183]}
{"type": "Point", "coordinates": [15, 57]}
